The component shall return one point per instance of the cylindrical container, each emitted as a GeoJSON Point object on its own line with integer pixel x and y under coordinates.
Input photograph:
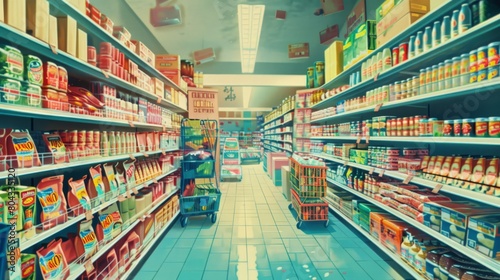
{"type": "Point", "coordinates": [89, 137]}
{"type": "Point", "coordinates": [473, 66]}
{"type": "Point", "coordinates": [419, 43]}
{"type": "Point", "coordinates": [434, 78]}
{"type": "Point", "coordinates": [404, 90]}
{"type": "Point", "coordinates": [415, 85]}
{"type": "Point", "coordinates": [310, 77]}
{"type": "Point", "coordinates": [106, 49]}
{"type": "Point", "coordinates": [422, 127]}
{"type": "Point", "coordinates": [64, 136]}
{"type": "Point", "coordinates": [493, 59]}
{"type": "Point", "coordinates": [81, 136]}
{"type": "Point", "coordinates": [454, 23]}
{"type": "Point", "coordinates": [464, 19]}
{"type": "Point", "coordinates": [457, 127]}
{"type": "Point", "coordinates": [416, 125]}
{"type": "Point", "coordinates": [427, 38]}
{"type": "Point", "coordinates": [494, 126]}
{"type": "Point", "coordinates": [387, 59]}
{"type": "Point", "coordinates": [447, 73]}
{"type": "Point", "coordinates": [428, 79]}
{"type": "Point", "coordinates": [436, 34]}
{"type": "Point", "coordinates": [468, 127]}
{"type": "Point", "coordinates": [445, 29]}
{"type": "Point", "coordinates": [403, 52]}
{"type": "Point", "coordinates": [437, 128]}
{"type": "Point", "coordinates": [380, 60]}
{"type": "Point", "coordinates": [482, 63]}
{"type": "Point", "coordinates": [464, 69]}
{"type": "Point", "coordinates": [363, 71]}
{"type": "Point", "coordinates": [91, 55]}
{"type": "Point", "coordinates": [395, 56]}
{"type": "Point", "coordinates": [440, 80]}
{"type": "Point", "coordinates": [385, 94]}
{"type": "Point", "coordinates": [397, 90]}
{"type": "Point", "coordinates": [97, 136]}
{"type": "Point", "coordinates": [421, 82]}
{"type": "Point", "coordinates": [411, 47]}
{"type": "Point", "coordinates": [481, 127]}
{"type": "Point", "coordinates": [448, 128]}
{"type": "Point", "coordinates": [319, 73]}
{"type": "Point", "coordinates": [411, 126]}
{"type": "Point", "coordinates": [430, 126]}
{"type": "Point", "coordinates": [73, 136]}
{"type": "Point", "coordinates": [455, 72]}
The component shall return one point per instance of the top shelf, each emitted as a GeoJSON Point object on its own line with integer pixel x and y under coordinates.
{"type": "Point", "coordinates": [282, 114]}
{"type": "Point", "coordinates": [94, 29]}
{"type": "Point", "coordinates": [428, 19]}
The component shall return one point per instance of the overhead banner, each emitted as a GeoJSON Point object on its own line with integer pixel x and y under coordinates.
{"type": "Point", "coordinates": [332, 6]}
{"type": "Point", "coordinates": [300, 50]}
{"type": "Point", "coordinates": [357, 16]}
{"type": "Point", "coordinates": [203, 104]}
{"type": "Point", "coordinates": [327, 36]}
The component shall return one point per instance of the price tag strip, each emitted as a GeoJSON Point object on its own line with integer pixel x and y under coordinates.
{"type": "Point", "coordinates": [437, 188]}
{"type": "Point", "coordinates": [382, 172]}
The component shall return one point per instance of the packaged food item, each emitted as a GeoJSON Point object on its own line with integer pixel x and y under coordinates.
{"type": "Point", "coordinates": [110, 180]}
{"type": "Point", "coordinates": [392, 235]}
{"type": "Point", "coordinates": [466, 172]}
{"type": "Point", "coordinates": [56, 147]}
{"type": "Point", "coordinates": [432, 262]}
{"type": "Point", "coordinates": [50, 75]}
{"type": "Point", "coordinates": [20, 144]}
{"type": "Point", "coordinates": [95, 187]}
{"type": "Point", "coordinates": [51, 197]}
{"type": "Point", "coordinates": [481, 127]}
{"type": "Point", "coordinates": [52, 261]}
{"type": "Point", "coordinates": [123, 256]}
{"type": "Point", "coordinates": [483, 235]}
{"type": "Point", "coordinates": [128, 167]}
{"type": "Point", "coordinates": [63, 79]}
{"type": "Point", "coordinates": [27, 208]}
{"type": "Point", "coordinates": [494, 126]}
{"type": "Point", "coordinates": [112, 264]}
{"type": "Point", "coordinates": [449, 259]}
{"type": "Point", "coordinates": [110, 223]}
{"type": "Point", "coordinates": [11, 62]}
{"type": "Point", "coordinates": [454, 222]}
{"type": "Point", "coordinates": [121, 178]}
{"type": "Point", "coordinates": [50, 99]}
{"type": "Point", "coordinates": [492, 172]}
{"type": "Point", "coordinates": [14, 260]}
{"type": "Point", "coordinates": [28, 269]}
{"type": "Point", "coordinates": [87, 243]}
{"type": "Point", "coordinates": [10, 91]}
{"type": "Point", "coordinates": [78, 198]}
{"type": "Point", "coordinates": [33, 72]}
{"type": "Point", "coordinates": [32, 95]}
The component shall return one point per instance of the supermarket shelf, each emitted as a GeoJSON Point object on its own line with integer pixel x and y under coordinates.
{"type": "Point", "coordinates": [75, 66]}
{"type": "Point", "coordinates": [437, 140]}
{"type": "Point", "coordinates": [278, 133]}
{"type": "Point", "coordinates": [94, 29]}
{"type": "Point", "coordinates": [53, 167]}
{"type": "Point", "coordinates": [384, 249]}
{"type": "Point", "coordinates": [275, 140]}
{"type": "Point", "coordinates": [479, 197]}
{"type": "Point", "coordinates": [480, 258]}
{"type": "Point", "coordinates": [237, 119]}
{"type": "Point", "coordinates": [276, 147]}
{"type": "Point", "coordinates": [47, 233]}
{"type": "Point", "coordinates": [284, 113]}
{"type": "Point", "coordinates": [56, 115]}
{"type": "Point", "coordinates": [103, 250]}
{"type": "Point", "coordinates": [428, 19]}
{"type": "Point", "coordinates": [485, 86]}
{"type": "Point", "coordinates": [279, 125]}
{"type": "Point", "coordinates": [149, 246]}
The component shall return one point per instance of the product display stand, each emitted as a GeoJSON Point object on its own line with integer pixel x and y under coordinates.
{"type": "Point", "coordinates": [250, 154]}
{"type": "Point", "coordinates": [231, 162]}
{"type": "Point", "coordinates": [200, 194]}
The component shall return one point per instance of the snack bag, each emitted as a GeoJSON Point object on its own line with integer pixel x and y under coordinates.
{"type": "Point", "coordinates": [78, 198]}
{"type": "Point", "coordinates": [110, 181]}
{"type": "Point", "coordinates": [51, 197]}
{"type": "Point", "coordinates": [55, 146]}
{"type": "Point", "coordinates": [87, 242]}
{"type": "Point", "coordinates": [95, 187]}
{"type": "Point", "coordinates": [52, 261]}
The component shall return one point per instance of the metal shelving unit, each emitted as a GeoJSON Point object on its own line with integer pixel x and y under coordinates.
{"type": "Point", "coordinates": [440, 140]}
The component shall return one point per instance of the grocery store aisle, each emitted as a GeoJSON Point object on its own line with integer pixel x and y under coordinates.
{"type": "Point", "coordinates": [255, 237]}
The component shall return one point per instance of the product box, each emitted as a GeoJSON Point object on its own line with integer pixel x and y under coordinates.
{"type": "Point", "coordinates": [432, 212]}
{"type": "Point", "coordinates": [454, 222]}
{"type": "Point", "coordinates": [37, 19]}
{"type": "Point", "coordinates": [334, 60]}
{"type": "Point", "coordinates": [81, 46]}
{"type": "Point", "coordinates": [2, 18]}
{"type": "Point", "coordinates": [25, 199]}
{"type": "Point", "coordinates": [347, 51]}
{"type": "Point", "coordinates": [483, 235]}
{"type": "Point", "coordinates": [159, 87]}
{"type": "Point", "coordinates": [28, 269]}
{"type": "Point", "coordinates": [392, 235]}
{"type": "Point", "coordinates": [358, 156]}
{"type": "Point", "coordinates": [66, 32]}
{"type": "Point", "coordinates": [15, 13]}
{"type": "Point", "coordinates": [400, 18]}
{"type": "Point", "coordinates": [364, 39]}
{"type": "Point", "coordinates": [376, 220]}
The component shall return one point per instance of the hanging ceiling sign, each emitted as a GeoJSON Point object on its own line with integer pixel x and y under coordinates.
{"type": "Point", "coordinates": [356, 17]}
{"type": "Point", "coordinates": [327, 36]}
{"type": "Point", "coordinates": [300, 50]}
{"type": "Point", "coordinates": [332, 6]}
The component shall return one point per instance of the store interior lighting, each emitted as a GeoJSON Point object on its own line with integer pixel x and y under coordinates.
{"type": "Point", "coordinates": [250, 18]}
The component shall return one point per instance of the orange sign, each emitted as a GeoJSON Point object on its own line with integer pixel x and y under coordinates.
{"type": "Point", "coordinates": [203, 104]}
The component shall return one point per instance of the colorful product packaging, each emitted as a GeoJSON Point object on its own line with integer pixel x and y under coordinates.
{"type": "Point", "coordinates": [51, 197]}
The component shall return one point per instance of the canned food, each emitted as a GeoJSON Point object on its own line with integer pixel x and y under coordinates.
{"type": "Point", "coordinates": [427, 38]}
{"type": "Point", "coordinates": [395, 56]}
{"type": "Point", "coordinates": [89, 137]}
{"type": "Point", "coordinates": [416, 123]}
{"type": "Point", "coordinates": [410, 152]}
{"type": "Point", "coordinates": [411, 126]}
{"type": "Point", "coordinates": [411, 47]}
{"type": "Point", "coordinates": [473, 65]}
{"type": "Point", "coordinates": [73, 136]}
{"type": "Point", "coordinates": [97, 137]}
{"type": "Point", "coordinates": [403, 52]}
{"type": "Point", "coordinates": [91, 55]}
{"type": "Point", "coordinates": [494, 126]}
{"type": "Point", "coordinates": [454, 23]}
{"type": "Point", "coordinates": [430, 126]}
{"type": "Point", "coordinates": [434, 77]}
{"type": "Point", "coordinates": [440, 79]}
{"type": "Point", "coordinates": [422, 127]}
{"type": "Point", "coordinates": [482, 63]}
{"type": "Point", "coordinates": [64, 136]}
{"type": "Point", "coordinates": [404, 90]}
{"type": "Point", "coordinates": [457, 127]}
{"type": "Point", "coordinates": [481, 127]}
{"type": "Point", "coordinates": [106, 49]}
{"type": "Point", "coordinates": [493, 59]}
{"type": "Point", "coordinates": [464, 69]}
{"type": "Point", "coordinates": [428, 79]}
{"type": "Point", "coordinates": [447, 73]}
{"type": "Point", "coordinates": [82, 134]}
{"type": "Point", "coordinates": [468, 127]}
{"type": "Point", "coordinates": [421, 82]}
{"type": "Point", "coordinates": [448, 128]}
{"type": "Point", "coordinates": [455, 72]}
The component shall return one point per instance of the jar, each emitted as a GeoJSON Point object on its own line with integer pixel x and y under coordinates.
{"type": "Point", "coordinates": [430, 126]}
{"type": "Point", "coordinates": [457, 127]}
{"type": "Point", "coordinates": [448, 128]}
{"type": "Point", "coordinates": [494, 126]}
{"type": "Point", "coordinates": [482, 127]}
{"type": "Point", "coordinates": [468, 127]}
{"type": "Point", "coordinates": [422, 127]}
{"type": "Point", "coordinates": [411, 127]}
{"type": "Point", "coordinates": [399, 127]}
{"type": "Point", "coordinates": [416, 123]}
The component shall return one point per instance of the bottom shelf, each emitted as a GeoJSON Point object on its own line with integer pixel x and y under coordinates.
{"type": "Point", "coordinates": [389, 253]}
{"type": "Point", "coordinates": [145, 249]}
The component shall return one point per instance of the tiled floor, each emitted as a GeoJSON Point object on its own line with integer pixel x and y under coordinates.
{"type": "Point", "coordinates": [255, 237]}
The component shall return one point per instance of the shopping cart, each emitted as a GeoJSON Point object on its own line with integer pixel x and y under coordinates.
{"type": "Point", "coordinates": [200, 193]}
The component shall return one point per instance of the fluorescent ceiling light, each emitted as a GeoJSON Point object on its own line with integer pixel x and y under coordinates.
{"type": "Point", "coordinates": [250, 18]}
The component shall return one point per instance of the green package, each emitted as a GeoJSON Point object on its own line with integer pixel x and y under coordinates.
{"type": "Point", "coordinates": [11, 62]}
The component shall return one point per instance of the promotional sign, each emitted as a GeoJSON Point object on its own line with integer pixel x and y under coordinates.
{"type": "Point", "coordinates": [332, 6]}
{"type": "Point", "coordinates": [327, 36]}
{"type": "Point", "coordinates": [357, 16]}
{"type": "Point", "coordinates": [300, 50]}
{"type": "Point", "coordinates": [203, 104]}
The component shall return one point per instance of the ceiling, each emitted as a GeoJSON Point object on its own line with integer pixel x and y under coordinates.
{"type": "Point", "coordinates": [214, 24]}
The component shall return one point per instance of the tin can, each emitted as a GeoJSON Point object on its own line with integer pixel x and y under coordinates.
{"type": "Point", "coordinates": [457, 127]}
{"type": "Point", "coordinates": [455, 72]}
{"type": "Point", "coordinates": [106, 49]}
{"type": "Point", "coordinates": [446, 29]}
{"type": "Point", "coordinates": [473, 66]}
{"type": "Point", "coordinates": [397, 89]}
{"type": "Point", "coordinates": [91, 55]}
{"type": "Point", "coordinates": [310, 77]}
{"type": "Point", "coordinates": [437, 128]}
{"type": "Point", "coordinates": [395, 56]}
{"type": "Point", "coordinates": [419, 43]}
{"type": "Point", "coordinates": [89, 137]}
{"type": "Point", "coordinates": [64, 136]}
{"type": "Point", "coordinates": [440, 79]}
{"type": "Point", "coordinates": [430, 126]}
{"type": "Point", "coordinates": [411, 126]}
{"type": "Point", "coordinates": [494, 126]}
{"type": "Point", "coordinates": [434, 77]}
{"type": "Point", "coordinates": [421, 82]}
{"type": "Point", "coordinates": [416, 124]}
{"type": "Point", "coordinates": [427, 38]}
{"type": "Point", "coordinates": [81, 136]}
{"type": "Point", "coordinates": [415, 85]}
{"type": "Point", "coordinates": [422, 127]}
{"type": "Point", "coordinates": [436, 34]}
{"type": "Point", "coordinates": [403, 52]}
{"type": "Point", "coordinates": [399, 127]}
{"type": "Point", "coordinates": [454, 23]}
{"type": "Point", "coordinates": [428, 79]}
{"type": "Point", "coordinates": [404, 90]}
{"type": "Point", "coordinates": [468, 127]}
{"type": "Point", "coordinates": [389, 127]}
{"type": "Point", "coordinates": [380, 62]}
{"type": "Point", "coordinates": [481, 127]}
{"type": "Point", "coordinates": [385, 93]}
{"type": "Point", "coordinates": [448, 128]}
{"type": "Point", "coordinates": [464, 69]}
{"type": "Point", "coordinates": [493, 59]}
{"type": "Point", "coordinates": [73, 136]}
{"type": "Point", "coordinates": [482, 63]}
{"type": "Point", "coordinates": [411, 47]}
{"type": "Point", "coordinates": [97, 137]}
{"type": "Point", "coordinates": [448, 64]}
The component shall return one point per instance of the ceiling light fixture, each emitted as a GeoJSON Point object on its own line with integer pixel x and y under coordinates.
{"type": "Point", "coordinates": [250, 18]}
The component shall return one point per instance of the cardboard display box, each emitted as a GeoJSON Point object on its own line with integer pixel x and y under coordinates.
{"type": "Point", "coordinates": [364, 39]}
{"type": "Point", "coordinates": [483, 235]}
{"type": "Point", "coordinates": [2, 19]}
{"type": "Point", "coordinates": [37, 16]}
{"type": "Point", "coordinates": [82, 45]}
{"type": "Point", "coordinates": [66, 31]}
{"type": "Point", "coordinates": [334, 60]}
{"type": "Point", "coordinates": [15, 13]}
{"type": "Point", "coordinates": [397, 28]}
{"type": "Point", "coordinates": [53, 36]}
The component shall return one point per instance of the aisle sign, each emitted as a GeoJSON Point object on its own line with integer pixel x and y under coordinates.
{"type": "Point", "coordinates": [203, 104]}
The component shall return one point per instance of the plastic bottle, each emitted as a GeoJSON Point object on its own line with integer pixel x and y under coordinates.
{"type": "Point", "coordinates": [420, 259]}
{"type": "Point", "coordinates": [454, 23]}
{"type": "Point", "coordinates": [118, 141]}
{"type": "Point", "coordinates": [104, 144]}
{"type": "Point", "coordinates": [112, 143]}
{"type": "Point", "coordinates": [387, 62]}
{"type": "Point", "coordinates": [464, 19]}
{"type": "Point", "coordinates": [124, 142]}
{"type": "Point", "coordinates": [405, 247]}
{"type": "Point", "coordinates": [414, 249]}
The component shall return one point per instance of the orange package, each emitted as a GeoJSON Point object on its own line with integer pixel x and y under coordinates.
{"type": "Point", "coordinates": [392, 235]}
{"type": "Point", "coordinates": [51, 197]}
{"type": "Point", "coordinates": [78, 198]}
{"type": "Point", "coordinates": [20, 144]}
{"type": "Point", "coordinates": [95, 186]}
{"type": "Point", "coordinates": [52, 262]}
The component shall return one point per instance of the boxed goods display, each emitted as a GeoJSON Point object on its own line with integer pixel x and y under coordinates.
{"type": "Point", "coordinates": [67, 32]}
{"type": "Point", "coordinates": [53, 34]}
{"type": "Point", "coordinates": [15, 13]}
{"type": "Point", "coordinates": [364, 39]}
{"type": "Point", "coordinates": [170, 66]}
{"type": "Point", "coordinates": [454, 222]}
{"type": "Point", "coordinates": [432, 212]}
{"type": "Point", "coordinates": [483, 235]}
{"type": "Point", "coordinates": [37, 19]}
